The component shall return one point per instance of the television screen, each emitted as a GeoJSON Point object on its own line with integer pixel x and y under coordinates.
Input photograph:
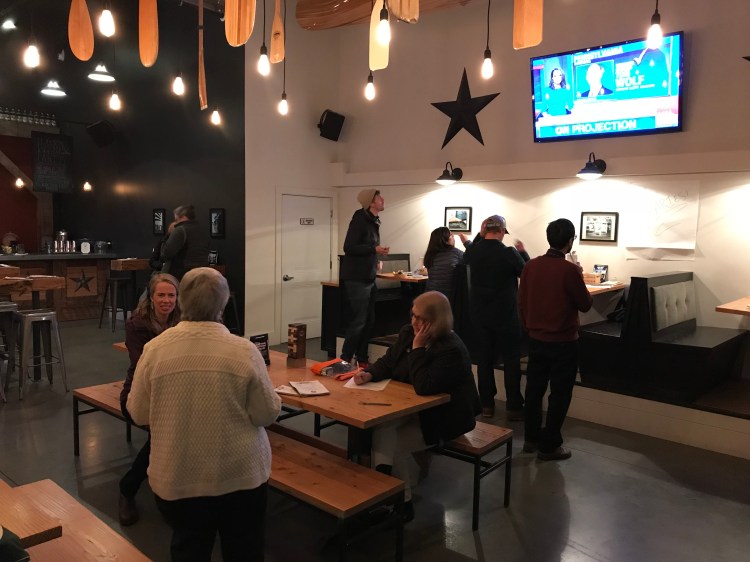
{"type": "Point", "coordinates": [613, 90]}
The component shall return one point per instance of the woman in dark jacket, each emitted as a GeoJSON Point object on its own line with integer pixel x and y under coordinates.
{"type": "Point", "coordinates": [152, 316]}
{"type": "Point", "coordinates": [431, 357]}
{"type": "Point", "coordinates": [441, 259]}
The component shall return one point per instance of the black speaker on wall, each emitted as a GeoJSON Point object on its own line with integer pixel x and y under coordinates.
{"type": "Point", "coordinates": [330, 124]}
{"type": "Point", "coordinates": [103, 132]}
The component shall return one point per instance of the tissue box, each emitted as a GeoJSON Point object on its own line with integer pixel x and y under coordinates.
{"type": "Point", "coordinates": [592, 278]}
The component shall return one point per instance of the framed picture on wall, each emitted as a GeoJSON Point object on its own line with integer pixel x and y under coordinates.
{"type": "Point", "coordinates": [599, 227]}
{"type": "Point", "coordinates": [458, 219]}
{"type": "Point", "coordinates": [217, 221]}
{"type": "Point", "coordinates": [159, 219]}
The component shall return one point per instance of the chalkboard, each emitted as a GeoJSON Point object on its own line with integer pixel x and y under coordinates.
{"type": "Point", "coordinates": [53, 162]}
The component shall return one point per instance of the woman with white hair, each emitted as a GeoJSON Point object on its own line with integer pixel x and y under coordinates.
{"type": "Point", "coordinates": [429, 355]}
{"type": "Point", "coordinates": [207, 396]}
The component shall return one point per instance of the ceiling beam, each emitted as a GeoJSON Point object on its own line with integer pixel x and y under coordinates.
{"type": "Point", "coordinates": [14, 170]}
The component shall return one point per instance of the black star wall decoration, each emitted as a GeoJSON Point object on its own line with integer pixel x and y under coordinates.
{"type": "Point", "coordinates": [82, 282]}
{"type": "Point", "coordinates": [463, 111]}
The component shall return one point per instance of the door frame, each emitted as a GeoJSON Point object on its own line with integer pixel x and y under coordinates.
{"type": "Point", "coordinates": [332, 193]}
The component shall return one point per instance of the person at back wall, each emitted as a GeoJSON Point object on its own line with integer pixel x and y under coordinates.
{"type": "Point", "coordinates": [187, 245]}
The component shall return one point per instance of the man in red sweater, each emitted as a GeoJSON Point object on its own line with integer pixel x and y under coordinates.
{"type": "Point", "coordinates": [551, 294]}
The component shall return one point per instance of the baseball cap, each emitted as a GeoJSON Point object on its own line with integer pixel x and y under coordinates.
{"type": "Point", "coordinates": [496, 222]}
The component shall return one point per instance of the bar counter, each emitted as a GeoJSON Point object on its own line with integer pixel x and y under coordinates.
{"type": "Point", "coordinates": [85, 280]}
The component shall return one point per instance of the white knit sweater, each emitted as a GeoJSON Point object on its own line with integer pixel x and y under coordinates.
{"type": "Point", "coordinates": [207, 396]}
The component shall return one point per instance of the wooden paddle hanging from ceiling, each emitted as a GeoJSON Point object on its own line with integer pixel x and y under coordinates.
{"type": "Point", "coordinates": [527, 23]}
{"type": "Point", "coordinates": [148, 32]}
{"type": "Point", "coordinates": [239, 20]}
{"type": "Point", "coordinates": [378, 52]}
{"type": "Point", "coordinates": [80, 31]}
{"type": "Point", "coordinates": [405, 10]}
{"type": "Point", "coordinates": [328, 14]}
{"type": "Point", "coordinates": [202, 95]}
{"type": "Point", "coordinates": [277, 36]}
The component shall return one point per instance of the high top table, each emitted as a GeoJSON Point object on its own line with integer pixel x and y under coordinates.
{"type": "Point", "coordinates": [740, 306]}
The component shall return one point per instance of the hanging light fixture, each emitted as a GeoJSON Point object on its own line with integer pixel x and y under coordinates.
{"type": "Point", "coordinates": [450, 175]}
{"type": "Point", "coordinates": [384, 27]}
{"type": "Point", "coordinates": [264, 65]}
{"type": "Point", "coordinates": [114, 102]}
{"type": "Point", "coordinates": [370, 88]}
{"type": "Point", "coordinates": [53, 89]}
{"type": "Point", "coordinates": [216, 117]}
{"type": "Point", "coordinates": [31, 55]}
{"type": "Point", "coordinates": [20, 183]}
{"type": "Point", "coordinates": [100, 74]}
{"type": "Point", "coordinates": [594, 168]}
{"type": "Point", "coordinates": [487, 68]}
{"type": "Point", "coordinates": [178, 86]}
{"type": "Point", "coordinates": [283, 105]}
{"type": "Point", "coordinates": [8, 25]}
{"type": "Point", "coordinates": [107, 22]}
{"type": "Point", "coordinates": [87, 186]}
{"type": "Point", "coordinates": [655, 35]}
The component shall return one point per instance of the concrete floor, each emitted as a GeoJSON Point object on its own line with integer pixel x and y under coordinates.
{"type": "Point", "coordinates": [622, 497]}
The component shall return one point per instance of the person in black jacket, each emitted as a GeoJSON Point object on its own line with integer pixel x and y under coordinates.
{"type": "Point", "coordinates": [187, 245]}
{"type": "Point", "coordinates": [430, 356]}
{"type": "Point", "coordinates": [495, 269]}
{"type": "Point", "coordinates": [357, 274]}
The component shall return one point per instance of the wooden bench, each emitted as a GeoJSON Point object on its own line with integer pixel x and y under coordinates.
{"type": "Point", "coordinates": [472, 447]}
{"type": "Point", "coordinates": [85, 537]}
{"type": "Point", "coordinates": [102, 398]}
{"type": "Point", "coordinates": [319, 474]}
{"type": "Point", "coordinates": [20, 514]}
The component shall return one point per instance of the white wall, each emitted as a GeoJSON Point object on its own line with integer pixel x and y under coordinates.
{"type": "Point", "coordinates": [394, 142]}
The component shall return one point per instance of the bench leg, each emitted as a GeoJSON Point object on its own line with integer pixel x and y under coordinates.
{"type": "Point", "coordinates": [343, 538]}
{"type": "Point", "coordinates": [316, 426]}
{"type": "Point", "coordinates": [76, 442]}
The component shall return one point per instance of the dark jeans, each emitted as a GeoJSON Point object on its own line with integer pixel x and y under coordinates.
{"type": "Point", "coordinates": [491, 341]}
{"type": "Point", "coordinates": [133, 479]}
{"type": "Point", "coordinates": [555, 364]}
{"type": "Point", "coordinates": [360, 298]}
{"type": "Point", "coordinates": [238, 517]}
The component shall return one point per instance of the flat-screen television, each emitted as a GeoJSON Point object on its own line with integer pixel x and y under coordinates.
{"type": "Point", "coordinates": [613, 90]}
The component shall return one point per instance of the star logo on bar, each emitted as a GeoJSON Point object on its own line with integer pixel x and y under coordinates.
{"type": "Point", "coordinates": [82, 282]}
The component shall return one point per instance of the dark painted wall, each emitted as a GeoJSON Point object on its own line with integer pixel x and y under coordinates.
{"type": "Point", "coordinates": [165, 152]}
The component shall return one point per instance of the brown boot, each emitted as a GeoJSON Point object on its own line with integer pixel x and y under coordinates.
{"type": "Point", "coordinates": [128, 512]}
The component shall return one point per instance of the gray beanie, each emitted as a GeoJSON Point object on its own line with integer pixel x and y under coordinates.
{"type": "Point", "coordinates": [366, 196]}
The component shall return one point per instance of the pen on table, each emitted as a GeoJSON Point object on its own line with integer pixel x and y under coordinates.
{"type": "Point", "coordinates": [376, 404]}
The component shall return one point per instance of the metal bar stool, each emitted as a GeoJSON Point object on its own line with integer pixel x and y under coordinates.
{"type": "Point", "coordinates": [26, 320]}
{"type": "Point", "coordinates": [9, 339]}
{"type": "Point", "coordinates": [116, 297]}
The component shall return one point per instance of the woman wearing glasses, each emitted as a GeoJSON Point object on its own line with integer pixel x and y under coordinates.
{"type": "Point", "coordinates": [431, 357]}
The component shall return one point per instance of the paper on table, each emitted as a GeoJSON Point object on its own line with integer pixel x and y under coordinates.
{"type": "Point", "coordinates": [379, 385]}
{"type": "Point", "coordinates": [309, 388]}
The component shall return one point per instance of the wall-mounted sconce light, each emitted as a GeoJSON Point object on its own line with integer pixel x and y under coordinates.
{"type": "Point", "coordinates": [593, 169]}
{"type": "Point", "coordinates": [450, 175]}
{"type": "Point", "coordinates": [20, 183]}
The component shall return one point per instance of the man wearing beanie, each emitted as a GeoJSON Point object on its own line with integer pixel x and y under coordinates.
{"type": "Point", "coordinates": [495, 269]}
{"type": "Point", "coordinates": [357, 274]}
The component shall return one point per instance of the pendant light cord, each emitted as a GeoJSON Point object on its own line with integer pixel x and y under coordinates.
{"type": "Point", "coordinates": [284, 24]}
{"type": "Point", "coordinates": [489, 4]}
{"type": "Point", "coordinates": [264, 22]}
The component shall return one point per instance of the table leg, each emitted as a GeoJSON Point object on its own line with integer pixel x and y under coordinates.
{"type": "Point", "coordinates": [359, 445]}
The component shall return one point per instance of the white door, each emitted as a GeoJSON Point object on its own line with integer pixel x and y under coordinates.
{"type": "Point", "coordinates": [305, 259]}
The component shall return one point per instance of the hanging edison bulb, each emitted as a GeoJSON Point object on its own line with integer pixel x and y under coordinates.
{"type": "Point", "coordinates": [283, 105]}
{"type": "Point", "coordinates": [216, 117]}
{"type": "Point", "coordinates": [19, 183]}
{"type": "Point", "coordinates": [264, 65]}
{"type": "Point", "coordinates": [383, 32]}
{"type": "Point", "coordinates": [31, 56]}
{"type": "Point", "coordinates": [488, 70]}
{"type": "Point", "coordinates": [114, 102]}
{"type": "Point", "coordinates": [107, 23]}
{"type": "Point", "coordinates": [370, 88]}
{"type": "Point", "coordinates": [178, 86]}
